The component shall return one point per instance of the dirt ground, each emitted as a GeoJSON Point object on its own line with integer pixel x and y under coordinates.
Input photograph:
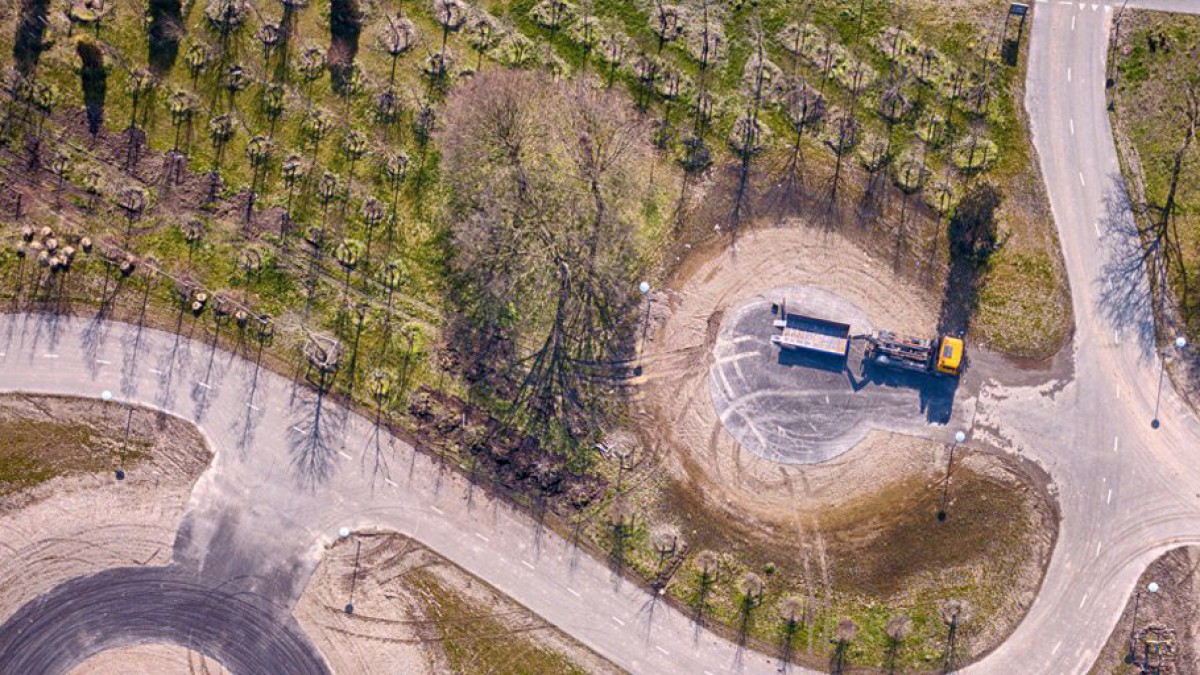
{"type": "Point", "coordinates": [77, 524]}
{"type": "Point", "coordinates": [406, 602]}
{"type": "Point", "coordinates": [859, 528]}
{"type": "Point", "coordinates": [676, 397]}
{"type": "Point", "coordinates": [1168, 616]}
{"type": "Point", "coordinates": [153, 658]}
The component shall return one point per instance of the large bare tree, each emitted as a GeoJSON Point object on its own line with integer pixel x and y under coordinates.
{"type": "Point", "coordinates": [546, 198]}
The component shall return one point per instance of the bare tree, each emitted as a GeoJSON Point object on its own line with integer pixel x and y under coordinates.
{"type": "Point", "coordinates": [545, 278]}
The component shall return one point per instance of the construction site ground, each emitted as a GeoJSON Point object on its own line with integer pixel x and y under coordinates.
{"type": "Point", "coordinates": [858, 529]}
{"type": "Point", "coordinates": [799, 406]}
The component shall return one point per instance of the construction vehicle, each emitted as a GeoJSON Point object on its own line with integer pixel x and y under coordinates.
{"type": "Point", "coordinates": [808, 333]}
{"type": "Point", "coordinates": [940, 356]}
{"type": "Point", "coordinates": [943, 355]}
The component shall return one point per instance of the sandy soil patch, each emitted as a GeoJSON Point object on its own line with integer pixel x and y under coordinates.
{"type": "Point", "coordinates": [156, 659]}
{"type": "Point", "coordinates": [676, 394]}
{"type": "Point", "coordinates": [393, 628]}
{"type": "Point", "coordinates": [75, 525]}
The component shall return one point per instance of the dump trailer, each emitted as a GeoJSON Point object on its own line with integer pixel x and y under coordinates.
{"type": "Point", "coordinates": [940, 356]}
{"type": "Point", "coordinates": [809, 333]}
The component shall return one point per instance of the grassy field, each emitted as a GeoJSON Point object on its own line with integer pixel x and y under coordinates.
{"type": "Point", "coordinates": [476, 641]}
{"type": "Point", "coordinates": [1155, 69]}
{"type": "Point", "coordinates": [33, 451]}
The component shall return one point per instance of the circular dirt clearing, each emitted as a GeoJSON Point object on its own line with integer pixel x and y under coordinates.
{"type": "Point", "coordinates": [802, 407]}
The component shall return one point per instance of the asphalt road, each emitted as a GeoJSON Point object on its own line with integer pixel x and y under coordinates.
{"type": "Point", "coordinates": [285, 478]}
{"type": "Point", "coordinates": [153, 604]}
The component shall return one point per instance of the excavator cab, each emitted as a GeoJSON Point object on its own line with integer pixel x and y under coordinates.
{"type": "Point", "coordinates": [950, 355]}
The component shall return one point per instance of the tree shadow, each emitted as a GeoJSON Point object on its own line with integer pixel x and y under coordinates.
{"type": "Point", "coordinates": [935, 394]}
{"type": "Point", "coordinates": [1125, 299]}
{"type": "Point", "coordinates": [316, 426]}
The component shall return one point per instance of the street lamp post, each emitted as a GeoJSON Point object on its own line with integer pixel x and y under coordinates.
{"type": "Point", "coordinates": [1151, 587]}
{"type": "Point", "coordinates": [959, 437]}
{"type": "Point", "coordinates": [1180, 343]}
{"type": "Point", "coordinates": [644, 289]}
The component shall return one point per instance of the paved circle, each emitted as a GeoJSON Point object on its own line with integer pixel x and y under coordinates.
{"type": "Point", "coordinates": [800, 408]}
{"type": "Point", "coordinates": [135, 605]}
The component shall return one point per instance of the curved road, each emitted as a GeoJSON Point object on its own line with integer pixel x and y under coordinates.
{"type": "Point", "coordinates": [288, 473]}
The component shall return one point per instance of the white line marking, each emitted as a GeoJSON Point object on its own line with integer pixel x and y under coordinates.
{"type": "Point", "coordinates": [156, 371]}
{"type": "Point", "coordinates": [574, 592]}
{"type": "Point", "coordinates": [3, 354]}
{"type": "Point", "coordinates": [1098, 548]}
{"type": "Point", "coordinates": [1081, 181]}
{"type": "Point", "coordinates": [439, 511]}
{"type": "Point", "coordinates": [1068, 74]}
{"type": "Point", "coordinates": [1055, 650]}
{"type": "Point", "coordinates": [1096, 227]}
{"type": "Point", "coordinates": [1072, 22]}
{"type": "Point", "coordinates": [1094, 7]}
{"type": "Point", "coordinates": [481, 536]}
{"type": "Point", "coordinates": [618, 621]}
{"type": "Point", "coordinates": [203, 384]}
{"type": "Point", "coordinates": [298, 430]}
{"type": "Point", "coordinates": [389, 481]}
{"type": "Point", "coordinates": [1117, 337]}
{"type": "Point", "coordinates": [1116, 443]}
{"type": "Point", "coordinates": [1072, 123]}
{"type": "Point", "coordinates": [662, 650]}
{"type": "Point", "coordinates": [1083, 601]}
{"type": "Point", "coordinates": [101, 362]}
{"type": "Point", "coordinates": [344, 455]}
{"type": "Point", "coordinates": [1109, 500]}
{"type": "Point", "coordinates": [252, 407]}
{"type": "Point", "coordinates": [526, 563]}
{"type": "Point", "coordinates": [50, 356]}
{"type": "Point", "coordinates": [1081, 5]}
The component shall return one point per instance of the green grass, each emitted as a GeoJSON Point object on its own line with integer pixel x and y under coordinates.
{"type": "Point", "coordinates": [1149, 99]}
{"type": "Point", "coordinates": [35, 451]}
{"type": "Point", "coordinates": [476, 641]}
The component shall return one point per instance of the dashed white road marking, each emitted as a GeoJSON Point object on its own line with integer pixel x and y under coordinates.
{"type": "Point", "coordinates": [156, 371]}
{"type": "Point", "coordinates": [1096, 227]}
{"type": "Point", "coordinates": [1109, 500]}
{"type": "Point", "coordinates": [1072, 123]}
{"type": "Point", "coordinates": [574, 592]}
{"type": "Point", "coordinates": [1068, 74]}
{"type": "Point", "coordinates": [298, 429]}
{"type": "Point", "coordinates": [662, 650]}
{"type": "Point", "coordinates": [344, 455]}
{"type": "Point", "coordinates": [1083, 601]}
{"type": "Point", "coordinates": [1117, 336]}
{"type": "Point", "coordinates": [252, 407]}
{"type": "Point", "coordinates": [1098, 544]}
{"type": "Point", "coordinates": [438, 511]}
{"type": "Point", "coordinates": [204, 384]}
{"type": "Point", "coordinates": [50, 356]}
{"type": "Point", "coordinates": [1116, 443]}
{"type": "Point", "coordinates": [1055, 650]}
{"type": "Point", "coordinates": [102, 362]}
{"type": "Point", "coordinates": [482, 537]}
{"type": "Point", "coordinates": [1072, 22]}
{"type": "Point", "coordinates": [527, 564]}
{"type": "Point", "coordinates": [390, 482]}
{"type": "Point", "coordinates": [1081, 181]}
{"type": "Point", "coordinates": [618, 621]}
